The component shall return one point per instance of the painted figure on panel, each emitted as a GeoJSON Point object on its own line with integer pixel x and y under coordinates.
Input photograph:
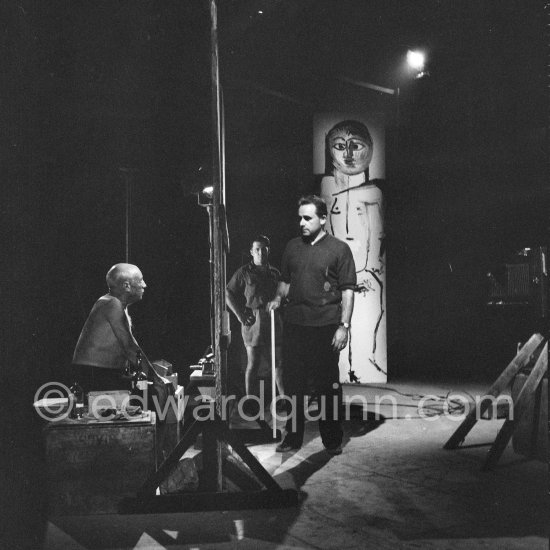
{"type": "Point", "coordinates": [355, 215]}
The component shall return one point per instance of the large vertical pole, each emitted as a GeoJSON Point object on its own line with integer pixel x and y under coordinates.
{"type": "Point", "coordinates": [213, 468]}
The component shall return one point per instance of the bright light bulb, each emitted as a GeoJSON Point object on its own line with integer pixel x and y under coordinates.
{"type": "Point", "coordinates": [208, 191]}
{"type": "Point", "coordinates": [416, 60]}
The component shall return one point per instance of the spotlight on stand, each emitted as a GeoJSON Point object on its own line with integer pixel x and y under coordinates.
{"type": "Point", "coordinates": [204, 197]}
{"type": "Point", "coordinates": [416, 61]}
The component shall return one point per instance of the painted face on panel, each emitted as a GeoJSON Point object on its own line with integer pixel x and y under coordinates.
{"type": "Point", "coordinates": [310, 223]}
{"type": "Point", "coordinates": [259, 253]}
{"type": "Point", "coordinates": [351, 154]}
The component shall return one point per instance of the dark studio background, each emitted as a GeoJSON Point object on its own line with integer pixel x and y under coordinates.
{"type": "Point", "coordinates": [95, 94]}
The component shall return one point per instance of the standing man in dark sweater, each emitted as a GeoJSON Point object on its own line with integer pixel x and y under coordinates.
{"type": "Point", "coordinates": [318, 279]}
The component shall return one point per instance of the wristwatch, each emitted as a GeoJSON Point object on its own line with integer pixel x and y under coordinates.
{"type": "Point", "coordinates": [345, 325]}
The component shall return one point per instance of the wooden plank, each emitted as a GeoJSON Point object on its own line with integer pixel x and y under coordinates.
{"type": "Point", "coordinates": [234, 471]}
{"type": "Point", "coordinates": [519, 361]}
{"type": "Point", "coordinates": [212, 453]}
{"type": "Point", "coordinates": [210, 458]}
{"type": "Point", "coordinates": [539, 422]}
{"type": "Point", "coordinates": [524, 398]}
{"type": "Point", "coordinates": [202, 502]}
{"type": "Point", "coordinates": [155, 478]}
{"type": "Point", "coordinates": [250, 460]}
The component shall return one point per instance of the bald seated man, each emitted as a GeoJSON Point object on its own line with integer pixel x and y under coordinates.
{"type": "Point", "coordinates": [106, 344]}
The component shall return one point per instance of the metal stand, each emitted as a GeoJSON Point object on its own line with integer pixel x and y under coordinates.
{"type": "Point", "coordinates": [536, 349]}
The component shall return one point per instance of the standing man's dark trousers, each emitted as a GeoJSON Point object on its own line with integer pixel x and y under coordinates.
{"type": "Point", "coordinates": [310, 366]}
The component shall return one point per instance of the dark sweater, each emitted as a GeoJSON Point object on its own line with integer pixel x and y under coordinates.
{"type": "Point", "coordinates": [317, 275]}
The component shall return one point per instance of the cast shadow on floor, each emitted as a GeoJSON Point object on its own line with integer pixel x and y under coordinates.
{"type": "Point", "coordinates": [358, 423]}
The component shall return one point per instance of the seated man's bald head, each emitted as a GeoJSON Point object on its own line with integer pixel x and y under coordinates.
{"type": "Point", "coordinates": [120, 274]}
{"type": "Point", "coordinates": [125, 281]}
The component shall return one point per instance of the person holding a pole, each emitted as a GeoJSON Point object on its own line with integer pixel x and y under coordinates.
{"type": "Point", "coordinates": [248, 292]}
{"type": "Point", "coordinates": [318, 280]}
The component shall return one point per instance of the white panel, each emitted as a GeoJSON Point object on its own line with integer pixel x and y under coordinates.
{"type": "Point", "coordinates": [356, 217]}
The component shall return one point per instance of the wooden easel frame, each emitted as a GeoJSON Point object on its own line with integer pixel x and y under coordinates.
{"type": "Point", "coordinates": [215, 432]}
{"type": "Point", "coordinates": [536, 349]}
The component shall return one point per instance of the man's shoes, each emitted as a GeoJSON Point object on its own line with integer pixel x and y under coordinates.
{"type": "Point", "coordinates": [333, 451]}
{"type": "Point", "coordinates": [285, 446]}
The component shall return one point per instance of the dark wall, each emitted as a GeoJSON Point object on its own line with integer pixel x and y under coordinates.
{"type": "Point", "coordinates": [99, 96]}
{"type": "Point", "coordinates": [92, 105]}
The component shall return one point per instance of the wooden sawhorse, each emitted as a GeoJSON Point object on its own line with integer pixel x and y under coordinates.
{"type": "Point", "coordinates": [536, 349]}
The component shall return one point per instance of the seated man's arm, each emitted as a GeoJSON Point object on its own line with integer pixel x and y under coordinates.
{"type": "Point", "coordinates": [117, 319]}
{"type": "Point", "coordinates": [120, 324]}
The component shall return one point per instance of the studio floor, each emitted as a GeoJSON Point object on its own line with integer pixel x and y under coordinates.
{"type": "Point", "coordinates": [394, 486]}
